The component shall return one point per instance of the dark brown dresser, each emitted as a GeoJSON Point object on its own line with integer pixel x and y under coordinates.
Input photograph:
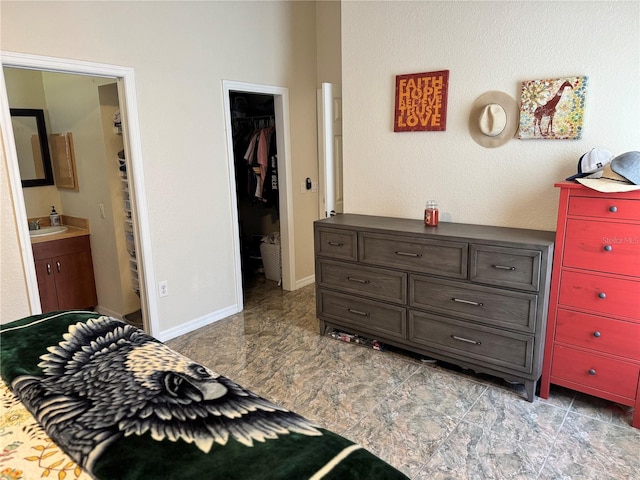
{"type": "Point", "coordinates": [471, 295]}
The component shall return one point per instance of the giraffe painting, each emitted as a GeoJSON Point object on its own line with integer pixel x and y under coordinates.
{"type": "Point", "coordinates": [552, 109]}
{"type": "Point", "coordinates": [548, 110]}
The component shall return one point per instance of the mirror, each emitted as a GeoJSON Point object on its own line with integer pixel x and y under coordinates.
{"type": "Point", "coordinates": [30, 135]}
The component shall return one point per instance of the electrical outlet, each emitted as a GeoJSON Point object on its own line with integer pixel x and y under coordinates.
{"type": "Point", "coordinates": [163, 289]}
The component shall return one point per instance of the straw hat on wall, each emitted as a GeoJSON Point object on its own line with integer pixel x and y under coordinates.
{"type": "Point", "coordinates": [494, 119]}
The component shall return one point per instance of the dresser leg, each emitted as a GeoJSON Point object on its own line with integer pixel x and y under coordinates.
{"type": "Point", "coordinates": [545, 388]}
{"type": "Point", "coordinates": [530, 387]}
{"type": "Point", "coordinates": [323, 328]}
{"type": "Point", "coordinates": [635, 422]}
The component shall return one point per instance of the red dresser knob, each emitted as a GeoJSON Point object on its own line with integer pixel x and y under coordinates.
{"type": "Point", "coordinates": [608, 248]}
{"type": "Point", "coordinates": [596, 334]}
{"type": "Point", "coordinates": [602, 295]}
{"type": "Point", "coordinates": [613, 209]}
{"type": "Point", "coordinates": [592, 371]}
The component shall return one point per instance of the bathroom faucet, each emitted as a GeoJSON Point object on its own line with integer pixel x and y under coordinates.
{"type": "Point", "coordinates": [35, 225]}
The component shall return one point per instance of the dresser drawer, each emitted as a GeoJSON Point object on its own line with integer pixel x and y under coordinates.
{"type": "Point", "coordinates": [605, 208]}
{"type": "Point", "coordinates": [448, 259]}
{"type": "Point", "coordinates": [364, 315]}
{"type": "Point", "coordinates": [459, 339]}
{"type": "Point", "coordinates": [505, 267]}
{"type": "Point", "coordinates": [604, 246]}
{"type": "Point", "coordinates": [372, 282]}
{"type": "Point", "coordinates": [598, 333]}
{"type": "Point", "coordinates": [336, 243]}
{"type": "Point", "coordinates": [488, 305]}
{"type": "Point", "coordinates": [595, 371]}
{"type": "Point", "coordinates": [606, 295]}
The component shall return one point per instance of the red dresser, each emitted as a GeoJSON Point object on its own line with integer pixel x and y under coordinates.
{"type": "Point", "coordinates": [593, 329]}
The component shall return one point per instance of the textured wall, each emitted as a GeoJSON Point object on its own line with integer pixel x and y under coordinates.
{"type": "Point", "coordinates": [486, 46]}
{"type": "Point", "coordinates": [181, 52]}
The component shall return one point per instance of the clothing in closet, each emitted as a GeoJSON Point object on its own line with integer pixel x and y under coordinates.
{"type": "Point", "coordinates": [257, 170]}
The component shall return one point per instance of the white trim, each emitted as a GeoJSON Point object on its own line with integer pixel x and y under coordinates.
{"type": "Point", "coordinates": [126, 85]}
{"type": "Point", "coordinates": [303, 282]}
{"type": "Point", "coordinates": [108, 312]}
{"type": "Point", "coordinates": [20, 211]}
{"type": "Point", "coordinates": [196, 323]}
{"type": "Point", "coordinates": [281, 105]}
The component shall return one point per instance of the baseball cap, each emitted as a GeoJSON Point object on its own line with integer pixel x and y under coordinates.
{"type": "Point", "coordinates": [621, 175]}
{"type": "Point", "coordinates": [592, 163]}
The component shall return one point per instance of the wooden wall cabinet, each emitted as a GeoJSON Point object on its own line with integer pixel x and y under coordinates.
{"type": "Point", "coordinates": [64, 269]}
{"type": "Point", "coordinates": [593, 331]}
{"type": "Point", "coordinates": [63, 161]}
{"type": "Point", "coordinates": [471, 295]}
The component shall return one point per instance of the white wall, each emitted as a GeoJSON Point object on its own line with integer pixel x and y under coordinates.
{"type": "Point", "coordinates": [14, 298]}
{"type": "Point", "coordinates": [181, 52]}
{"type": "Point", "coordinates": [329, 42]}
{"type": "Point", "coordinates": [485, 46]}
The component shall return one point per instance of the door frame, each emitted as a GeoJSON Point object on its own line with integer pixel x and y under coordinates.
{"type": "Point", "coordinates": [285, 197]}
{"type": "Point", "coordinates": [329, 107]}
{"type": "Point", "coordinates": [125, 79]}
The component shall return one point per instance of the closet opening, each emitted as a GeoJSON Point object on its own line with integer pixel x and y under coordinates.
{"type": "Point", "coordinates": [257, 186]}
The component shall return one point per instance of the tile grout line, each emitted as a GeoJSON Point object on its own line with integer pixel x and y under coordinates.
{"type": "Point", "coordinates": [383, 399]}
{"type": "Point", "coordinates": [555, 439]}
{"type": "Point", "coordinates": [444, 440]}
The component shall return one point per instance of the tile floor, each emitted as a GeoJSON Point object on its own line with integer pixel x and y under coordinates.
{"type": "Point", "coordinates": [428, 420]}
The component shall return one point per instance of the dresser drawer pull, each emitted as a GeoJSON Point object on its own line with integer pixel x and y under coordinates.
{"type": "Point", "coordinates": [608, 248]}
{"type": "Point", "coordinates": [613, 209]}
{"type": "Point", "coordinates": [358, 280]}
{"type": "Point", "coordinates": [336, 244]}
{"type": "Point", "coordinates": [467, 340]}
{"type": "Point", "coordinates": [503, 267]}
{"type": "Point", "coordinates": [409, 254]}
{"type": "Point", "coordinates": [592, 371]}
{"type": "Point", "coordinates": [468, 302]}
{"type": "Point", "coordinates": [602, 295]}
{"type": "Point", "coordinates": [358, 312]}
{"type": "Point", "coordinates": [596, 334]}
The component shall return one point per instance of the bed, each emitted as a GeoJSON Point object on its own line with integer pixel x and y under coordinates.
{"type": "Point", "coordinates": [88, 396]}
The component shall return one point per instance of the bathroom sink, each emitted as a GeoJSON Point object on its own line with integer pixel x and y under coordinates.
{"type": "Point", "coordinates": [48, 231]}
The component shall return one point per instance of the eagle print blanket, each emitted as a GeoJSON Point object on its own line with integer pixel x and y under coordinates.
{"type": "Point", "coordinates": [122, 405]}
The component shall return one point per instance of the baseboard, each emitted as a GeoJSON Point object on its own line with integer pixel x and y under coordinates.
{"type": "Point", "coordinates": [196, 323]}
{"type": "Point", "coordinates": [205, 320]}
{"type": "Point", "coordinates": [303, 282]}
{"type": "Point", "coordinates": [109, 313]}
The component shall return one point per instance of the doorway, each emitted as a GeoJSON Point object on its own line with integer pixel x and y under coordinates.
{"type": "Point", "coordinates": [256, 172]}
{"type": "Point", "coordinates": [125, 86]}
{"type": "Point", "coordinates": [279, 98]}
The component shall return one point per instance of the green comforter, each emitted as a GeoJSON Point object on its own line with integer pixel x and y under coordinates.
{"type": "Point", "coordinates": [125, 406]}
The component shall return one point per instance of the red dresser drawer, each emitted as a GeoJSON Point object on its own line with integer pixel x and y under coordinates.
{"type": "Point", "coordinates": [591, 370]}
{"type": "Point", "coordinates": [605, 208]}
{"type": "Point", "coordinates": [599, 333]}
{"type": "Point", "coordinates": [604, 246]}
{"type": "Point", "coordinates": [607, 295]}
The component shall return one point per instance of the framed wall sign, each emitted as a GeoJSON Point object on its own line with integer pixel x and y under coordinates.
{"type": "Point", "coordinates": [421, 102]}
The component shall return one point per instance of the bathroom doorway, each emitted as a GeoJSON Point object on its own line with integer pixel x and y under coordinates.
{"type": "Point", "coordinates": [117, 86]}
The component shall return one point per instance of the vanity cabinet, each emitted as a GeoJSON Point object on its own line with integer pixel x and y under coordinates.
{"type": "Point", "coordinates": [471, 295]}
{"type": "Point", "coordinates": [64, 269]}
{"type": "Point", "coordinates": [593, 331]}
